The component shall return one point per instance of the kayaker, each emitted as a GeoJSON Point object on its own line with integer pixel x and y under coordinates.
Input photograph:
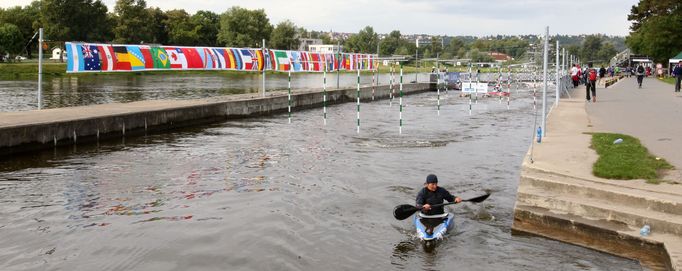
{"type": "Point", "coordinates": [432, 194]}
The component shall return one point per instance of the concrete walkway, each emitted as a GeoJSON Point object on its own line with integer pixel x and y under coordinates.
{"type": "Point", "coordinates": [560, 198]}
{"type": "Point", "coordinates": [42, 129]}
{"type": "Point", "coordinates": [653, 114]}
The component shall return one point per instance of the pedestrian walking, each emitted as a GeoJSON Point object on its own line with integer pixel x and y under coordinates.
{"type": "Point", "coordinates": [640, 75]}
{"type": "Point", "coordinates": [602, 73]}
{"type": "Point", "coordinates": [574, 75]}
{"type": "Point", "coordinates": [591, 84]}
{"type": "Point", "coordinates": [677, 72]}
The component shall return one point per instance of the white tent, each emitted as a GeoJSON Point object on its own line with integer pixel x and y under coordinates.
{"type": "Point", "coordinates": [673, 61]}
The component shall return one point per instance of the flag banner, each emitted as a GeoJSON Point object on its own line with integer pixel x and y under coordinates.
{"type": "Point", "coordinates": [96, 57]}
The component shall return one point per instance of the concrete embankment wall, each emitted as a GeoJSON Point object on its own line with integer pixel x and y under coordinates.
{"type": "Point", "coordinates": [41, 129]}
{"type": "Point", "coordinates": [559, 197]}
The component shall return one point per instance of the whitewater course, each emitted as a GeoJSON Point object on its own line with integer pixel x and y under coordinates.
{"type": "Point", "coordinates": [131, 173]}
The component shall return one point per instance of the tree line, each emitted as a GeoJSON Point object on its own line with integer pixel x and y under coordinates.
{"type": "Point", "coordinates": [133, 22]}
{"type": "Point", "coordinates": [655, 29]}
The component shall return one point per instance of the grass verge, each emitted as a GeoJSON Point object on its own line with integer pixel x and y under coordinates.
{"type": "Point", "coordinates": [627, 160]}
{"type": "Point", "coordinates": [669, 80]}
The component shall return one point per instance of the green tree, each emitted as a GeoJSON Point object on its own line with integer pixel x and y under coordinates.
{"type": "Point", "coordinates": [284, 36]}
{"type": "Point", "coordinates": [389, 45]}
{"type": "Point", "coordinates": [24, 18]}
{"type": "Point", "coordinates": [606, 52]}
{"type": "Point", "coordinates": [11, 40]}
{"type": "Point", "coordinates": [590, 49]}
{"type": "Point", "coordinates": [455, 46]}
{"type": "Point", "coordinates": [655, 28]}
{"type": "Point", "coordinates": [133, 22]}
{"type": "Point", "coordinates": [436, 45]}
{"type": "Point", "coordinates": [75, 20]}
{"type": "Point", "coordinates": [180, 29]}
{"type": "Point", "coordinates": [363, 42]}
{"type": "Point", "coordinates": [158, 26]}
{"type": "Point", "coordinates": [240, 27]}
{"type": "Point", "coordinates": [477, 56]}
{"type": "Point", "coordinates": [206, 25]}
{"type": "Point", "coordinates": [404, 50]}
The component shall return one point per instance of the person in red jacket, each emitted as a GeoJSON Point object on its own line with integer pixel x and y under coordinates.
{"type": "Point", "coordinates": [591, 84]}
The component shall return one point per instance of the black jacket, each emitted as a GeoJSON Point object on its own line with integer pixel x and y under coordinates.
{"type": "Point", "coordinates": [436, 197]}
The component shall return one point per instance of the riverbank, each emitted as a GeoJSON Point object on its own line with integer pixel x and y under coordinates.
{"type": "Point", "coordinates": [28, 70]}
{"type": "Point", "coordinates": [41, 129]}
{"type": "Point", "coordinates": [560, 198]}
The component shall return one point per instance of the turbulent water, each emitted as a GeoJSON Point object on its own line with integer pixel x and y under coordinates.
{"type": "Point", "coordinates": [263, 194]}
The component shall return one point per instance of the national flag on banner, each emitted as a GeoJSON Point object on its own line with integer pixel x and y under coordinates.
{"type": "Point", "coordinates": [74, 60]}
{"type": "Point", "coordinates": [207, 59]}
{"type": "Point", "coordinates": [147, 56]}
{"type": "Point", "coordinates": [305, 61]}
{"type": "Point", "coordinates": [220, 58]}
{"type": "Point", "coordinates": [194, 60]}
{"type": "Point", "coordinates": [91, 58]}
{"type": "Point", "coordinates": [176, 57]}
{"type": "Point", "coordinates": [260, 58]}
{"type": "Point", "coordinates": [238, 62]}
{"type": "Point", "coordinates": [135, 57]}
{"type": "Point", "coordinates": [249, 60]}
{"type": "Point", "coordinates": [315, 59]}
{"type": "Point", "coordinates": [213, 58]}
{"type": "Point", "coordinates": [295, 60]}
{"type": "Point", "coordinates": [106, 57]}
{"type": "Point", "coordinates": [281, 59]}
{"type": "Point", "coordinates": [160, 58]}
{"type": "Point", "coordinates": [122, 59]}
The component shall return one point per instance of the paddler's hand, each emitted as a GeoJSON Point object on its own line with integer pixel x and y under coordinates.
{"type": "Point", "coordinates": [458, 199]}
{"type": "Point", "coordinates": [426, 207]}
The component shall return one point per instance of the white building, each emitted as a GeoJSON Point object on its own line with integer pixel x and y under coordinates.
{"type": "Point", "coordinates": [56, 52]}
{"type": "Point", "coordinates": [325, 48]}
{"type": "Point", "coordinates": [304, 43]}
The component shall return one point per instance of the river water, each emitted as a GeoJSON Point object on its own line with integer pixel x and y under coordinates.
{"type": "Point", "coordinates": [129, 87]}
{"type": "Point", "coordinates": [263, 194]}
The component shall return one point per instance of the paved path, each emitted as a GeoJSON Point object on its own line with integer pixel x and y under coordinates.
{"type": "Point", "coordinates": [653, 114]}
{"type": "Point", "coordinates": [559, 177]}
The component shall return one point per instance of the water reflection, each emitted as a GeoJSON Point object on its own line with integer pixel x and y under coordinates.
{"type": "Point", "coordinates": [128, 87]}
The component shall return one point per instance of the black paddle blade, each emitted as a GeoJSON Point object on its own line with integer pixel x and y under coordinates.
{"type": "Point", "coordinates": [479, 198]}
{"type": "Point", "coordinates": [401, 212]}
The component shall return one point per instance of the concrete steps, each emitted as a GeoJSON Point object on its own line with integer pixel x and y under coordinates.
{"type": "Point", "coordinates": [658, 252]}
{"type": "Point", "coordinates": [618, 194]}
{"type": "Point", "coordinates": [596, 208]}
{"type": "Point", "coordinates": [603, 214]}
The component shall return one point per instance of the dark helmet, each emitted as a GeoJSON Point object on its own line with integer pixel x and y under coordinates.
{"type": "Point", "coordinates": [431, 178]}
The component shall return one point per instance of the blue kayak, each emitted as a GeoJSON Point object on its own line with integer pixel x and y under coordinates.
{"type": "Point", "coordinates": [433, 227]}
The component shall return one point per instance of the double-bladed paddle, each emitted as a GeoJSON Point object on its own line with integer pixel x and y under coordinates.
{"type": "Point", "coordinates": [401, 212]}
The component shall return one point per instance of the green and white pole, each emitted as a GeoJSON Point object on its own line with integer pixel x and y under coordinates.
{"type": "Point", "coordinates": [289, 87]}
{"type": "Point", "coordinates": [499, 84]}
{"type": "Point", "coordinates": [358, 99]}
{"type": "Point", "coordinates": [535, 103]}
{"type": "Point", "coordinates": [478, 81]}
{"type": "Point", "coordinates": [324, 99]}
{"type": "Point", "coordinates": [390, 84]}
{"type": "Point", "coordinates": [401, 99]}
{"type": "Point", "coordinates": [373, 84]}
{"type": "Point", "coordinates": [509, 86]}
{"type": "Point", "coordinates": [438, 95]}
{"type": "Point", "coordinates": [445, 84]}
{"type": "Point", "coordinates": [471, 87]}
{"type": "Point", "coordinates": [263, 49]}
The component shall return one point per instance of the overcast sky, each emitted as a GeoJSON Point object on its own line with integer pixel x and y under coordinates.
{"type": "Point", "coordinates": [437, 17]}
